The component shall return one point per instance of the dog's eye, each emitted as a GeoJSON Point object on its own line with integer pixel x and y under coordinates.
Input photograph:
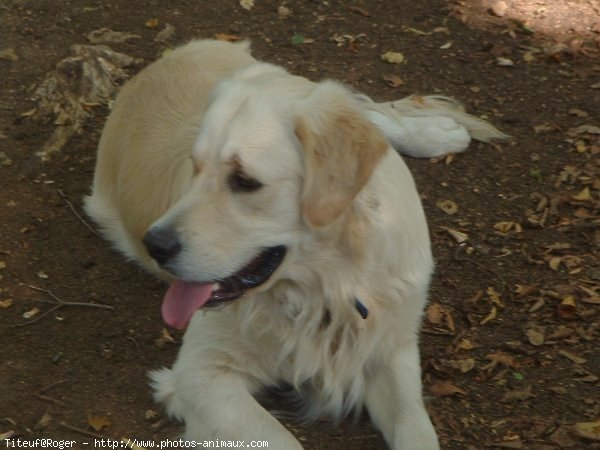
{"type": "Point", "coordinates": [240, 182]}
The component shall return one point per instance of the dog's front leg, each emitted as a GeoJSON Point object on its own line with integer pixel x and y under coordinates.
{"type": "Point", "coordinates": [216, 404]}
{"type": "Point", "coordinates": [395, 403]}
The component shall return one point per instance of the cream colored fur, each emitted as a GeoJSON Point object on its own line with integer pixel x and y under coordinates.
{"type": "Point", "coordinates": [334, 192]}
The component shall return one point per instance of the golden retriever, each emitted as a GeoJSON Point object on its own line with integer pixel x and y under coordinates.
{"type": "Point", "coordinates": [291, 232]}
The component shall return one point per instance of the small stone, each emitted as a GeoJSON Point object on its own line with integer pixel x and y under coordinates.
{"type": "Point", "coordinates": [499, 8]}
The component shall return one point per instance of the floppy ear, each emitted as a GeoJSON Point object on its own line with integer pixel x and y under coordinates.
{"type": "Point", "coordinates": [341, 150]}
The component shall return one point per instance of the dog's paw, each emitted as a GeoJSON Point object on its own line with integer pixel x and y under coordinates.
{"type": "Point", "coordinates": [164, 391]}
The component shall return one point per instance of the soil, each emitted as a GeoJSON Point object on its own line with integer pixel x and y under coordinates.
{"type": "Point", "coordinates": [510, 339]}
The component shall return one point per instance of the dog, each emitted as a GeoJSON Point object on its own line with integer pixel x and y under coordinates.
{"type": "Point", "coordinates": [290, 231]}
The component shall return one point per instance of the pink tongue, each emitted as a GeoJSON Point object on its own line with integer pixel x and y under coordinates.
{"type": "Point", "coordinates": [182, 300]}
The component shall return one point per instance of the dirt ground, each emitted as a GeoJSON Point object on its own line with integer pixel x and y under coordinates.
{"type": "Point", "coordinates": [510, 340]}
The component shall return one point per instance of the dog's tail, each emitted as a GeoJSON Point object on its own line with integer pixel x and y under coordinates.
{"type": "Point", "coordinates": [426, 127]}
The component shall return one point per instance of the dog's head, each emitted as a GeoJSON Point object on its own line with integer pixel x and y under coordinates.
{"type": "Point", "coordinates": [278, 162]}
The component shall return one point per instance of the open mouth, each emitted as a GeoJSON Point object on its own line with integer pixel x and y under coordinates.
{"type": "Point", "coordinates": [252, 275]}
{"type": "Point", "coordinates": [184, 297]}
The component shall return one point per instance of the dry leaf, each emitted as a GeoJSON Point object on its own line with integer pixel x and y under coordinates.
{"type": "Point", "coordinates": [43, 422]}
{"type": "Point", "coordinates": [517, 395]}
{"type": "Point", "coordinates": [6, 303]}
{"type": "Point", "coordinates": [445, 388]}
{"type": "Point", "coordinates": [393, 57]}
{"type": "Point", "coordinates": [151, 23]}
{"type": "Point", "coordinates": [491, 316]}
{"type": "Point", "coordinates": [494, 296]}
{"type": "Point", "coordinates": [583, 129]}
{"type": "Point", "coordinates": [32, 312]}
{"type": "Point", "coordinates": [165, 338]}
{"type": "Point", "coordinates": [588, 430]}
{"type": "Point", "coordinates": [581, 147]}
{"type": "Point", "coordinates": [458, 236]}
{"type": "Point", "coordinates": [438, 315]}
{"type": "Point", "coordinates": [447, 206]}
{"type": "Point", "coordinates": [537, 305]}
{"type": "Point", "coordinates": [393, 80]}
{"type": "Point", "coordinates": [504, 227]}
{"type": "Point", "coordinates": [576, 359]}
{"type": "Point", "coordinates": [450, 322]}
{"type": "Point", "coordinates": [578, 112]}
{"type": "Point", "coordinates": [554, 262]}
{"type": "Point", "coordinates": [247, 4]}
{"type": "Point", "coordinates": [567, 308]}
{"type": "Point", "coordinates": [535, 336]}
{"type": "Point", "coordinates": [465, 344]}
{"type": "Point", "coordinates": [8, 54]}
{"type": "Point", "coordinates": [283, 11]}
{"type": "Point", "coordinates": [435, 313]}
{"type": "Point", "coordinates": [502, 358]}
{"type": "Point", "coordinates": [523, 290]}
{"type": "Point", "coordinates": [528, 57]}
{"type": "Point", "coordinates": [358, 10]}
{"type": "Point", "coordinates": [417, 31]}
{"type": "Point", "coordinates": [150, 414]}
{"type": "Point", "coordinates": [465, 365]}
{"type": "Point", "coordinates": [98, 422]}
{"type": "Point", "coordinates": [504, 62]}
{"type": "Point", "coordinates": [583, 196]}
{"type": "Point", "coordinates": [545, 128]}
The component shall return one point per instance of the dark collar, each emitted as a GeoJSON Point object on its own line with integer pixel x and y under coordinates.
{"type": "Point", "coordinates": [362, 309]}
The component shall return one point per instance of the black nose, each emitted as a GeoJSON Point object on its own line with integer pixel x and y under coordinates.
{"type": "Point", "coordinates": [162, 244]}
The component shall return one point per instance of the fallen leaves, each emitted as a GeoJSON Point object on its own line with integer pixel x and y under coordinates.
{"type": "Point", "coordinates": [506, 227]}
{"type": "Point", "coordinates": [31, 313]}
{"type": "Point", "coordinates": [517, 395]}
{"type": "Point", "coordinates": [8, 54]}
{"type": "Point", "coordinates": [98, 422]}
{"type": "Point", "coordinates": [98, 71]}
{"type": "Point", "coordinates": [536, 336]}
{"type": "Point", "coordinates": [458, 236]}
{"type": "Point", "coordinates": [247, 4]}
{"type": "Point", "coordinates": [393, 80]}
{"type": "Point", "coordinates": [491, 316]}
{"type": "Point", "coordinates": [588, 430]}
{"type": "Point", "coordinates": [501, 358]}
{"type": "Point", "coordinates": [445, 388]}
{"type": "Point", "coordinates": [447, 206]}
{"type": "Point", "coordinates": [441, 318]}
{"type": "Point", "coordinates": [570, 356]}
{"type": "Point", "coordinates": [567, 309]}
{"type": "Point", "coordinates": [6, 303]}
{"type": "Point", "coordinates": [393, 57]}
